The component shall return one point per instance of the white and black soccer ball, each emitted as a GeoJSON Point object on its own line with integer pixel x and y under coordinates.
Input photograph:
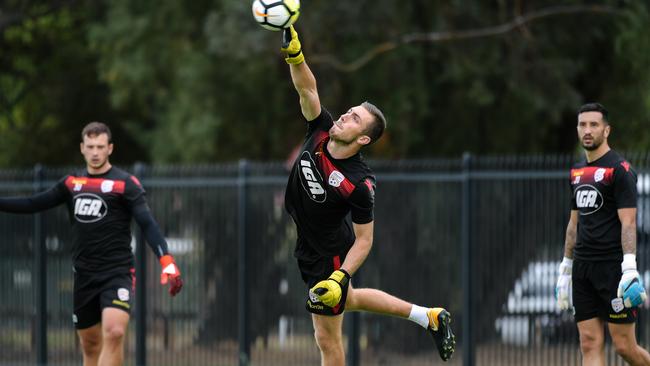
{"type": "Point", "coordinates": [276, 15]}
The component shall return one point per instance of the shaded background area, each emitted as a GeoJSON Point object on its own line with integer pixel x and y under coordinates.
{"type": "Point", "coordinates": [188, 83]}
{"type": "Point", "coordinates": [200, 82]}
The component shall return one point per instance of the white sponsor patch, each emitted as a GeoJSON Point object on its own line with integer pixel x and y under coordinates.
{"type": "Point", "coordinates": [617, 304]}
{"type": "Point", "coordinates": [313, 297]}
{"type": "Point", "coordinates": [336, 178]}
{"type": "Point", "coordinates": [107, 186]}
{"type": "Point", "coordinates": [599, 174]}
{"type": "Point", "coordinates": [123, 294]}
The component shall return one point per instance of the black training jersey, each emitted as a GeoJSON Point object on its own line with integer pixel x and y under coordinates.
{"type": "Point", "coordinates": [100, 208]}
{"type": "Point", "coordinates": [600, 188]}
{"type": "Point", "coordinates": [322, 191]}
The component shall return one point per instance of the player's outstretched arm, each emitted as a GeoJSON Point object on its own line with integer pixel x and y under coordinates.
{"type": "Point", "coordinates": [170, 272]}
{"type": "Point", "coordinates": [302, 77]}
{"type": "Point", "coordinates": [36, 203]}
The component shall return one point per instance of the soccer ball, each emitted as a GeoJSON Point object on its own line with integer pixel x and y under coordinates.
{"type": "Point", "coordinates": [276, 14]}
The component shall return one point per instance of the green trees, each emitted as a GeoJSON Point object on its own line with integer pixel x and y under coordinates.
{"type": "Point", "coordinates": [200, 81]}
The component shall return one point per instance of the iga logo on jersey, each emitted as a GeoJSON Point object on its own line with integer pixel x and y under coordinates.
{"type": "Point", "coordinates": [89, 207]}
{"type": "Point", "coordinates": [588, 199]}
{"type": "Point", "coordinates": [310, 177]}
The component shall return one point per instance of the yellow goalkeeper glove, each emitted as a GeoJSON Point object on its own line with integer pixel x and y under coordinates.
{"type": "Point", "coordinates": [291, 46]}
{"type": "Point", "coordinates": [329, 291]}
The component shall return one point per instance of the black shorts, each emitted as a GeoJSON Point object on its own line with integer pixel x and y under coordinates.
{"type": "Point", "coordinates": [314, 271]}
{"type": "Point", "coordinates": [93, 293]}
{"type": "Point", "coordinates": [594, 292]}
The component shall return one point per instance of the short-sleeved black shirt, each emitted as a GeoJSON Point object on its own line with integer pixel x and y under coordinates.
{"type": "Point", "coordinates": [100, 208]}
{"type": "Point", "coordinates": [322, 191]}
{"type": "Point", "coordinates": [600, 188]}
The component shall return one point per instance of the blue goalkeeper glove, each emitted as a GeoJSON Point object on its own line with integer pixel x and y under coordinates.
{"type": "Point", "coordinates": [329, 291]}
{"type": "Point", "coordinates": [630, 288]}
{"type": "Point", "coordinates": [291, 46]}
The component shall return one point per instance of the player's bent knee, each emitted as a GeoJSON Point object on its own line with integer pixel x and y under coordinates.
{"type": "Point", "coordinates": [351, 300]}
{"type": "Point", "coordinates": [625, 347]}
{"type": "Point", "coordinates": [590, 343]}
{"type": "Point", "coordinates": [328, 341]}
{"type": "Point", "coordinates": [90, 345]}
{"type": "Point", "coordinates": [114, 333]}
{"type": "Point", "coordinates": [624, 351]}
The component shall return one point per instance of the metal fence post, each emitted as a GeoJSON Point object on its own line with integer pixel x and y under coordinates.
{"type": "Point", "coordinates": [140, 288]}
{"type": "Point", "coordinates": [242, 276]}
{"type": "Point", "coordinates": [40, 268]}
{"type": "Point", "coordinates": [466, 276]}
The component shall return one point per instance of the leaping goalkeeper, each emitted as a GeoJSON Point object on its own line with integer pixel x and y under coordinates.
{"type": "Point", "coordinates": [600, 246]}
{"type": "Point", "coordinates": [330, 180]}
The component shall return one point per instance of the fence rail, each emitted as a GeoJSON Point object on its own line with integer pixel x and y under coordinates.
{"type": "Point", "coordinates": [480, 236]}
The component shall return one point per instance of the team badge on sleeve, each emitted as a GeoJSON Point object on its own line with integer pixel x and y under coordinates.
{"type": "Point", "coordinates": [107, 186]}
{"type": "Point", "coordinates": [336, 178]}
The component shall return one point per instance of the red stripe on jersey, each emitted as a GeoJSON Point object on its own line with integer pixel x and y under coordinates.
{"type": "Point", "coordinates": [322, 137]}
{"type": "Point", "coordinates": [626, 165]}
{"type": "Point", "coordinates": [369, 185]}
{"type": "Point", "coordinates": [132, 279]}
{"type": "Point", "coordinates": [337, 262]}
{"type": "Point", "coordinates": [136, 181]}
{"type": "Point", "coordinates": [345, 187]}
{"type": "Point", "coordinates": [590, 173]}
{"type": "Point", "coordinates": [335, 309]}
{"type": "Point", "coordinates": [96, 185]}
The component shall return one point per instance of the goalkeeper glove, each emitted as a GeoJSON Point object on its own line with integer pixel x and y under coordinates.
{"type": "Point", "coordinates": [563, 287]}
{"type": "Point", "coordinates": [170, 273]}
{"type": "Point", "coordinates": [291, 46]}
{"type": "Point", "coordinates": [329, 291]}
{"type": "Point", "coordinates": [630, 288]}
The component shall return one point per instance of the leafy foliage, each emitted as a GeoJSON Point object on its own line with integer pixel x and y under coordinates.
{"type": "Point", "coordinates": [200, 81]}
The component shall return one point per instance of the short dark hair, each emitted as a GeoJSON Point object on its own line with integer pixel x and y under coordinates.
{"type": "Point", "coordinates": [96, 129]}
{"type": "Point", "coordinates": [378, 125]}
{"type": "Point", "coordinates": [595, 107]}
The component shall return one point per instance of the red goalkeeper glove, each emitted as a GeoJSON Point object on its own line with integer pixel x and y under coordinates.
{"type": "Point", "coordinates": [170, 273]}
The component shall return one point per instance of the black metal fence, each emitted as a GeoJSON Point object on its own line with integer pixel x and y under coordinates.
{"type": "Point", "coordinates": [480, 236]}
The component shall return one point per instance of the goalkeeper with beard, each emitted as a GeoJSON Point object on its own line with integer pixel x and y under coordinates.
{"type": "Point", "coordinates": [599, 264]}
